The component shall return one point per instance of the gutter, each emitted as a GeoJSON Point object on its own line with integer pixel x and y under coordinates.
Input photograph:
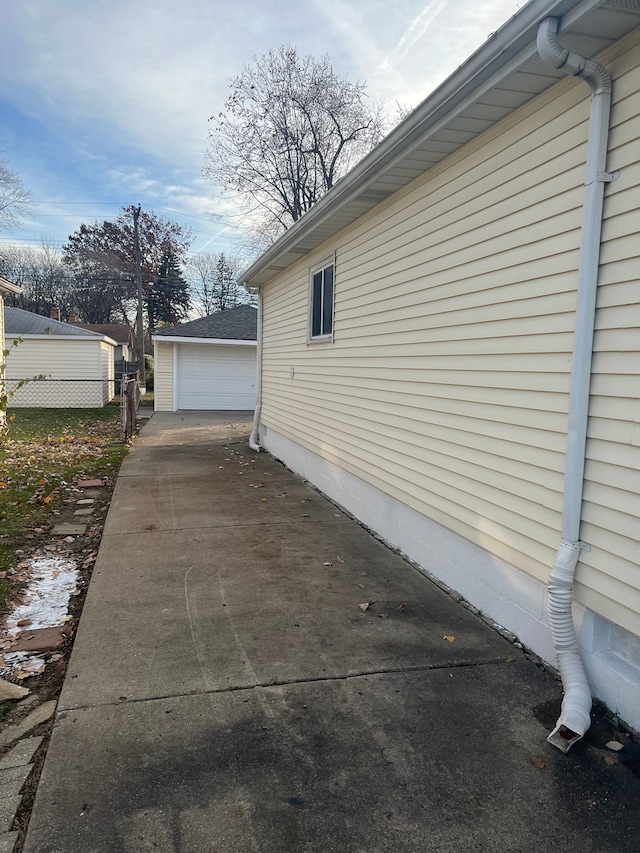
{"type": "Point", "coordinates": [575, 716]}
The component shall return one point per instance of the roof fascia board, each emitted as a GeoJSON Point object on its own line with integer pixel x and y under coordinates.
{"type": "Point", "coordinates": [185, 340]}
{"type": "Point", "coordinates": [9, 286]}
{"type": "Point", "coordinates": [509, 47]}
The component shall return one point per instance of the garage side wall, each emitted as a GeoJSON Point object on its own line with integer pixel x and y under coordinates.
{"type": "Point", "coordinates": [163, 377]}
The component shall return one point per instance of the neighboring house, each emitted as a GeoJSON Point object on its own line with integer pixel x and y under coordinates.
{"type": "Point", "coordinates": [78, 364]}
{"type": "Point", "coordinates": [208, 363]}
{"type": "Point", "coordinates": [119, 332]}
{"type": "Point", "coordinates": [420, 339]}
{"type": "Point", "coordinates": [5, 287]}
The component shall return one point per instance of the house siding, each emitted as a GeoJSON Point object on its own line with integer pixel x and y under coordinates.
{"type": "Point", "coordinates": [446, 386]}
{"type": "Point", "coordinates": [68, 360]}
{"type": "Point", "coordinates": [163, 377]}
{"type": "Point", "coordinates": [609, 578]}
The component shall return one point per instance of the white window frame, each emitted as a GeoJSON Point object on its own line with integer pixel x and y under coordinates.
{"type": "Point", "coordinates": [323, 337]}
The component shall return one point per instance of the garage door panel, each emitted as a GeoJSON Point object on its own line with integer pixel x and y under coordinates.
{"type": "Point", "coordinates": [216, 377]}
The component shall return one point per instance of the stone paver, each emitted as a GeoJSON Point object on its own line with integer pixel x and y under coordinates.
{"type": "Point", "coordinates": [12, 779]}
{"type": "Point", "coordinates": [22, 753]}
{"type": "Point", "coordinates": [67, 529]}
{"type": "Point", "coordinates": [35, 718]}
{"type": "Point", "coordinates": [8, 842]}
{"type": "Point", "coordinates": [8, 808]}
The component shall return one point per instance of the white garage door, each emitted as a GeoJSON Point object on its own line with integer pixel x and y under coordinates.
{"type": "Point", "coordinates": [216, 377]}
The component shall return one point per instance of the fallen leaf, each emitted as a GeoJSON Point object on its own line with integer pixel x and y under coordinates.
{"type": "Point", "coordinates": [383, 615]}
{"type": "Point", "coordinates": [615, 745]}
{"type": "Point", "coordinates": [327, 564]}
{"type": "Point", "coordinates": [364, 606]}
{"type": "Point", "coordinates": [537, 762]}
{"type": "Point", "coordinates": [361, 585]}
{"type": "Point", "coordinates": [610, 759]}
{"type": "Point", "coordinates": [264, 500]}
{"type": "Point", "coordinates": [401, 607]}
{"type": "Point", "coordinates": [449, 638]}
{"type": "Point", "coordinates": [339, 559]}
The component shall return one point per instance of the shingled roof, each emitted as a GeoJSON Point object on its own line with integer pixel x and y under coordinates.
{"type": "Point", "coordinates": [238, 324]}
{"type": "Point", "coordinates": [119, 332]}
{"type": "Point", "coordinates": [17, 321]}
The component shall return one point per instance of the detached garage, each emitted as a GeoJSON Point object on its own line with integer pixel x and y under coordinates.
{"type": "Point", "coordinates": [207, 364]}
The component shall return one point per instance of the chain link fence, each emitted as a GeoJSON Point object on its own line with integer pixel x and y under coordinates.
{"type": "Point", "coordinates": [60, 393]}
{"type": "Point", "coordinates": [38, 393]}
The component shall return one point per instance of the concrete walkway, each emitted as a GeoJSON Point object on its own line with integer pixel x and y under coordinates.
{"type": "Point", "coordinates": [229, 692]}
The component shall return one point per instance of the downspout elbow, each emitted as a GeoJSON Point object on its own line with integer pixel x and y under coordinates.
{"type": "Point", "coordinates": [569, 62]}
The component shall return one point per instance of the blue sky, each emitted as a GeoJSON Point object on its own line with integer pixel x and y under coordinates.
{"type": "Point", "coordinates": [105, 103]}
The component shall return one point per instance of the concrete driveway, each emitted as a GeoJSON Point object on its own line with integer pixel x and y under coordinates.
{"type": "Point", "coordinates": [253, 671]}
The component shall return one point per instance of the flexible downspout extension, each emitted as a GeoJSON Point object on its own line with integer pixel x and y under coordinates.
{"type": "Point", "coordinates": [254, 438]}
{"type": "Point", "coordinates": [575, 716]}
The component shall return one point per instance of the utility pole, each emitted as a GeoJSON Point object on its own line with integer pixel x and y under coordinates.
{"type": "Point", "coordinates": [136, 246]}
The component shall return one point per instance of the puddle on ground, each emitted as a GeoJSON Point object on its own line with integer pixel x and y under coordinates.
{"type": "Point", "coordinates": [44, 602]}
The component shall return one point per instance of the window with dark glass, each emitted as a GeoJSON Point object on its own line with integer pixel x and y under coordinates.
{"type": "Point", "coordinates": [322, 302]}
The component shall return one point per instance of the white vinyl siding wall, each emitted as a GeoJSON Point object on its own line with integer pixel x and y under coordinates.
{"type": "Point", "coordinates": [163, 377]}
{"type": "Point", "coordinates": [447, 383]}
{"type": "Point", "coordinates": [63, 359]}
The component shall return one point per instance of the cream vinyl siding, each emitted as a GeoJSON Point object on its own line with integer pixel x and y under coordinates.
{"type": "Point", "coordinates": [447, 383]}
{"type": "Point", "coordinates": [163, 377]}
{"type": "Point", "coordinates": [62, 359]}
{"type": "Point", "coordinates": [610, 574]}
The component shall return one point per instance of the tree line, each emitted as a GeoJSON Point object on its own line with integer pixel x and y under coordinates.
{"type": "Point", "coordinates": [92, 276]}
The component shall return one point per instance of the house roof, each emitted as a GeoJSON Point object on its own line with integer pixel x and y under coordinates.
{"type": "Point", "coordinates": [119, 332]}
{"type": "Point", "coordinates": [238, 324]}
{"type": "Point", "coordinates": [496, 80]}
{"type": "Point", "coordinates": [17, 321]}
{"type": "Point", "coordinates": [8, 286]}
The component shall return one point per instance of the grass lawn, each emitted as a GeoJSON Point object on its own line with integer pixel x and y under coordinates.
{"type": "Point", "coordinates": [42, 455]}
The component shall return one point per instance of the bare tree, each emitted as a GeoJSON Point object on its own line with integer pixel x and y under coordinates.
{"type": "Point", "coordinates": [213, 282]}
{"type": "Point", "coordinates": [290, 129]}
{"type": "Point", "coordinates": [39, 271]}
{"type": "Point", "coordinates": [15, 200]}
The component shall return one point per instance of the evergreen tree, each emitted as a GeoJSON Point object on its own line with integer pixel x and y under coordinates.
{"type": "Point", "coordinates": [168, 296]}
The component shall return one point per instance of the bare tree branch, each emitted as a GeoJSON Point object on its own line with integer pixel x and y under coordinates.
{"type": "Point", "coordinates": [290, 129]}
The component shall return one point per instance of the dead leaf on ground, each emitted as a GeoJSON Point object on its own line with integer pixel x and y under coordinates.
{"type": "Point", "coordinates": [610, 759]}
{"type": "Point", "coordinates": [327, 563]}
{"type": "Point", "coordinates": [364, 606]}
{"type": "Point", "coordinates": [615, 745]}
{"type": "Point", "coordinates": [339, 559]}
{"type": "Point", "coordinates": [537, 762]}
{"type": "Point", "coordinates": [449, 638]}
{"type": "Point", "coordinates": [383, 615]}
{"type": "Point", "coordinates": [401, 607]}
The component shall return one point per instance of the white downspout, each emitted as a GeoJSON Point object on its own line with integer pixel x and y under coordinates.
{"type": "Point", "coordinates": [575, 716]}
{"type": "Point", "coordinates": [254, 438]}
